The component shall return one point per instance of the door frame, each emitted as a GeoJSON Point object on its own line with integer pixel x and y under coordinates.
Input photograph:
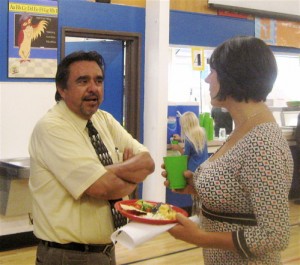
{"type": "Point", "coordinates": [132, 86]}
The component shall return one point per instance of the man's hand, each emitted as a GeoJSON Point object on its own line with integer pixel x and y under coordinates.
{"type": "Point", "coordinates": [127, 154]}
{"type": "Point", "coordinates": [122, 178]}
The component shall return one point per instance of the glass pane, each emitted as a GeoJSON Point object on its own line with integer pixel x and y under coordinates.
{"type": "Point", "coordinates": [187, 85]}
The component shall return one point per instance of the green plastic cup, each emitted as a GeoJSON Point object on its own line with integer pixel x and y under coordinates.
{"type": "Point", "coordinates": [174, 142]}
{"type": "Point", "coordinates": [175, 166]}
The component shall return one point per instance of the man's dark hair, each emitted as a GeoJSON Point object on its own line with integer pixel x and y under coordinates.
{"type": "Point", "coordinates": [63, 69]}
{"type": "Point", "coordinates": [246, 69]}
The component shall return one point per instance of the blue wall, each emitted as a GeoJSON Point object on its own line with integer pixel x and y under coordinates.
{"type": "Point", "coordinates": [196, 29]}
{"type": "Point", "coordinates": [98, 16]}
{"type": "Point", "coordinates": [206, 30]}
{"type": "Point", "coordinates": [79, 14]}
{"type": "Point", "coordinates": [185, 28]}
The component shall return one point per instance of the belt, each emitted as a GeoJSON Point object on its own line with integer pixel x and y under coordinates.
{"type": "Point", "coordinates": [80, 247]}
{"type": "Point", "coordinates": [233, 218]}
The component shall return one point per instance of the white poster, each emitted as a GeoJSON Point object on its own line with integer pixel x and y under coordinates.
{"type": "Point", "coordinates": [32, 39]}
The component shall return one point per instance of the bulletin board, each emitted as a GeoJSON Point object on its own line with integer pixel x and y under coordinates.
{"type": "Point", "coordinates": [278, 32]}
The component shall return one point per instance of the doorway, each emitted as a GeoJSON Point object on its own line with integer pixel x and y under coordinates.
{"type": "Point", "coordinates": [121, 51]}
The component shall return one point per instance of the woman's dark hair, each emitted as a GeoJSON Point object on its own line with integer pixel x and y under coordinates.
{"type": "Point", "coordinates": [246, 69]}
{"type": "Point", "coordinates": [62, 74]}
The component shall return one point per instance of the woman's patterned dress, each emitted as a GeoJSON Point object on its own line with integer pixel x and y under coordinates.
{"type": "Point", "coordinates": [246, 192]}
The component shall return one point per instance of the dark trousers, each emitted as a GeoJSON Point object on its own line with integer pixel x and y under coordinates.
{"type": "Point", "coordinates": [55, 256]}
{"type": "Point", "coordinates": [295, 188]}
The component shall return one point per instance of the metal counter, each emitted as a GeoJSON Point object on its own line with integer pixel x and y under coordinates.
{"type": "Point", "coordinates": [14, 192]}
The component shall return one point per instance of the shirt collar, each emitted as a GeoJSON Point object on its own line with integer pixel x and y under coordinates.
{"type": "Point", "coordinates": [64, 109]}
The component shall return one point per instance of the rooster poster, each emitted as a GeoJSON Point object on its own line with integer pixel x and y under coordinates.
{"type": "Point", "coordinates": [32, 39]}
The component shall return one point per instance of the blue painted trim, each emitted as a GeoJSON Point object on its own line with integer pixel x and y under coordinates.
{"type": "Point", "coordinates": [196, 29]}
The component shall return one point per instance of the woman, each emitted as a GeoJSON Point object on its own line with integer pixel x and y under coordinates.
{"type": "Point", "coordinates": [244, 186]}
{"type": "Point", "coordinates": [195, 146]}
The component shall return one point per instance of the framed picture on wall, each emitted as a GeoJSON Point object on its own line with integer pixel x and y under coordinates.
{"type": "Point", "coordinates": [32, 39]}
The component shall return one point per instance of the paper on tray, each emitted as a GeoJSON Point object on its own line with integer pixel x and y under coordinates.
{"type": "Point", "coordinates": [135, 233]}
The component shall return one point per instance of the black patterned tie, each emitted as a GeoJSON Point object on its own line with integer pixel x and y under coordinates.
{"type": "Point", "coordinates": [106, 160]}
{"type": "Point", "coordinates": [98, 144]}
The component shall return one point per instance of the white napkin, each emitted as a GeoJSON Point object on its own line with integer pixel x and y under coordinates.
{"type": "Point", "coordinates": [135, 233]}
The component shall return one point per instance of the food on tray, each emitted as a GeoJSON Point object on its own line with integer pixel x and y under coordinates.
{"type": "Point", "coordinates": [131, 208]}
{"type": "Point", "coordinates": [158, 211]}
{"type": "Point", "coordinates": [167, 211]}
{"type": "Point", "coordinates": [144, 206]}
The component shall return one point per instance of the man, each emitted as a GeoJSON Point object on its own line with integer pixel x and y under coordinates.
{"type": "Point", "coordinates": [70, 186]}
{"type": "Point", "coordinates": [298, 132]}
{"type": "Point", "coordinates": [222, 119]}
{"type": "Point", "coordinates": [297, 164]}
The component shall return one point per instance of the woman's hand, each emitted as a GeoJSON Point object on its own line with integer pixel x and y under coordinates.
{"type": "Point", "coordinates": [176, 147]}
{"type": "Point", "coordinates": [190, 232]}
{"type": "Point", "coordinates": [186, 230]}
{"type": "Point", "coordinates": [189, 188]}
{"type": "Point", "coordinates": [176, 137]}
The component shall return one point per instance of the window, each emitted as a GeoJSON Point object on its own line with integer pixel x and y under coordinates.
{"type": "Point", "coordinates": [187, 85]}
